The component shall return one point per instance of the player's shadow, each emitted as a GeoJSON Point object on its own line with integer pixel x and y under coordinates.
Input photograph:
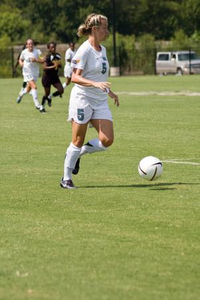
{"type": "Point", "coordinates": [153, 186]}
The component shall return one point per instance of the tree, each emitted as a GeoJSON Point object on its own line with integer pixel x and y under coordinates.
{"type": "Point", "coordinates": [12, 24]}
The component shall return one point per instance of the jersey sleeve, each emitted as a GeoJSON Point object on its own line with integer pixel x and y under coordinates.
{"type": "Point", "coordinates": [80, 58]}
{"type": "Point", "coordinates": [21, 56]}
{"type": "Point", "coordinates": [39, 53]}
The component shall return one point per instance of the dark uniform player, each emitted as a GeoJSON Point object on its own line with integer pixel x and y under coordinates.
{"type": "Point", "coordinates": [50, 76]}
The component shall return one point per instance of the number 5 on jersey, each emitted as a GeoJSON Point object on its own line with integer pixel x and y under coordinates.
{"type": "Point", "coordinates": [80, 114]}
{"type": "Point", "coordinates": [104, 68]}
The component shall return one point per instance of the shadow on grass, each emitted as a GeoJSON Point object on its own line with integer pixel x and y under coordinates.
{"type": "Point", "coordinates": [152, 186]}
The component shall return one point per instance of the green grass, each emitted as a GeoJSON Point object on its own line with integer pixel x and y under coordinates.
{"type": "Point", "coordinates": [117, 237]}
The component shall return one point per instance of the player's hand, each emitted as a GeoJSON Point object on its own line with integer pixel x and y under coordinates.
{"type": "Point", "coordinates": [56, 65]}
{"type": "Point", "coordinates": [114, 97]}
{"type": "Point", "coordinates": [33, 59]}
{"type": "Point", "coordinates": [102, 85]}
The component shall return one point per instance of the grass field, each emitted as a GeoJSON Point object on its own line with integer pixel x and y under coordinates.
{"type": "Point", "coordinates": [117, 237]}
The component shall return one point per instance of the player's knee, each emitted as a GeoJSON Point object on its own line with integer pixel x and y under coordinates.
{"type": "Point", "coordinates": [61, 90]}
{"type": "Point", "coordinates": [107, 142]}
{"type": "Point", "coordinates": [78, 142]}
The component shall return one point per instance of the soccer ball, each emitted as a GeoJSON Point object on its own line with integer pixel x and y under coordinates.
{"type": "Point", "coordinates": [150, 168]}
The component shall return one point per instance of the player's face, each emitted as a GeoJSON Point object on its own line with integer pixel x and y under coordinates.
{"type": "Point", "coordinates": [52, 48]}
{"type": "Point", "coordinates": [29, 45]}
{"type": "Point", "coordinates": [102, 30]}
{"type": "Point", "coordinates": [72, 46]}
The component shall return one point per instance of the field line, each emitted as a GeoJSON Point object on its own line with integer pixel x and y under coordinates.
{"type": "Point", "coordinates": [148, 93]}
{"type": "Point", "coordinates": [172, 161]}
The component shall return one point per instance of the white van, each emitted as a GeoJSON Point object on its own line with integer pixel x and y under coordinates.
{"type": "Point", "coordinates": [179, 62]}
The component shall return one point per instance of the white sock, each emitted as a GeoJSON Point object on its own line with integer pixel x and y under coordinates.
{"type": "Point", "coordinates": [64, 85]}
{"type": "Point", "coordinates": [92, 146]}
{"type": "Point", "coordinates": [23, 92]}
{"type": "Point", "coordinates": [72, 154]}
{"type": "Point", "coordinates": [41, 107]}
{"type": "Point", "coordinates": [35, 99]}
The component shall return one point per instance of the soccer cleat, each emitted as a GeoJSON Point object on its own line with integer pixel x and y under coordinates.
{"type": "Point", "coordinates": [77, 167]}
{"type": "Point", "coordinates": [67, 184]}
{"type": "Point", "coordinates": [42, 110]}
{"type": "Point", "coordinates": [19, 99]}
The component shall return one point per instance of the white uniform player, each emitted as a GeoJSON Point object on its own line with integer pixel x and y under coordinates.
{"type": "Point", "coordinates": [69, 54]}
{"type": "Point", "coordinates": [29, 61]}
{"type": "Point", "coordinates": [89, 102]}
{"type": "Point", "coordinates": [89, 97]}
{"type": "Point", "coordinates": [30, 69]}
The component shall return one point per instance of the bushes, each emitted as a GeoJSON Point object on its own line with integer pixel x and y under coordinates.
{"type": "Point", "coordinates": [6, 63]}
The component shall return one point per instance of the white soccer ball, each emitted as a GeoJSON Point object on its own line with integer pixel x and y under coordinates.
{"type": "Point", "coordinates": [150, 168]}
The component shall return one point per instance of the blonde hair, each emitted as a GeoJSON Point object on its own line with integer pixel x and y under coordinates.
{"type": "Point", "coordinates": [91, 20]}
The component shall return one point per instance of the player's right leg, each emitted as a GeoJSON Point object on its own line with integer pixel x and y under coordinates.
{"type": "Point", "coordinates": [73, 152]}
{"type": "Point", "coordinates": [22, 92]}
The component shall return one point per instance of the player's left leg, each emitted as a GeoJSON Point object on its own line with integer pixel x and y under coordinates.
{"type": "Point", "coordinates": [33, 86]}
{"type": "Point", "coordinates": [45, 98]}
{"type": "Point", "coordinates": [59, 92]}
{"type": "Point", "coordinates": [104, 140]}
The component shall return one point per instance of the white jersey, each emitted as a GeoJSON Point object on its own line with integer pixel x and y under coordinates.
{"type": "Point", "coordinates": [95, 67]}
{"type": "Point", "coordinates": [69, 54]}
{"type": "Point", "coordinates": [30, 69]}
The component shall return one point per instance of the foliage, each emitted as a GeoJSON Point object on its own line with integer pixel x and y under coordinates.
{"type": "Point", "coordinates": [12, 24]}
{"type": "Point", "coordinates": [180, 41]}
{"type": "Point", "coordinates": [59, 19]}
{"type": "Point", "coordinates": [146, 53]}
{"type": "Point", "coordinates": [5, 42]}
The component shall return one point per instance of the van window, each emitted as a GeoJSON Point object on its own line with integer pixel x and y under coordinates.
{"type": "Point", "coordinates": [187, 56]}
{"type": "Point", "coordinates": [163, 56]}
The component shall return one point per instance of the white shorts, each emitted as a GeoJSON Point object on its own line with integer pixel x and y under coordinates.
{"type": "Point", "coordinates": [29, 77]}
{"type": "Point", "coordinates": [68, 72]}
{"type": "Point", "coordinates": [82, 111]}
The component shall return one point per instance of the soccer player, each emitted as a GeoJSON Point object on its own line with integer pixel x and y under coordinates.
{"type": "Point", "coordinates": [50, 76]}
{"type": "Point", "coordinates": [89, 97]}
{"type": "Point", "coordinates": [29, 61]}
{"type": "Point", "coordinates": [69, 54]}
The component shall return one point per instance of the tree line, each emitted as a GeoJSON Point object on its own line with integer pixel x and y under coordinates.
{"type": "Point", "coordinates": [59, 19]}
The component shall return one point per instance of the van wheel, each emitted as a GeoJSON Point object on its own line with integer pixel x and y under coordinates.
{"type": "Point", "coordinates": [179, 71]}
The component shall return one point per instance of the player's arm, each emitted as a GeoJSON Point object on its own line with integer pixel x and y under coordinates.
{"type": "Point", "coordinates": [46, 67]}
{"type": "Point", "coordinates": [79, 79]}
{"type": "Point", "coordinates": [21, 62]}
{"type": "Point", "coordinates": [113, 96]}
{"type": "Point", "coordinates": [39, 60]}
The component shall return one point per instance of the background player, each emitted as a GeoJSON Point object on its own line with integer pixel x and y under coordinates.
{"type": "Point", "coordinates": [29, 61]}
{"type": "Point", "coordinates": [69, 54]}
{"type": "Point", "coordinates": [50, 76]}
